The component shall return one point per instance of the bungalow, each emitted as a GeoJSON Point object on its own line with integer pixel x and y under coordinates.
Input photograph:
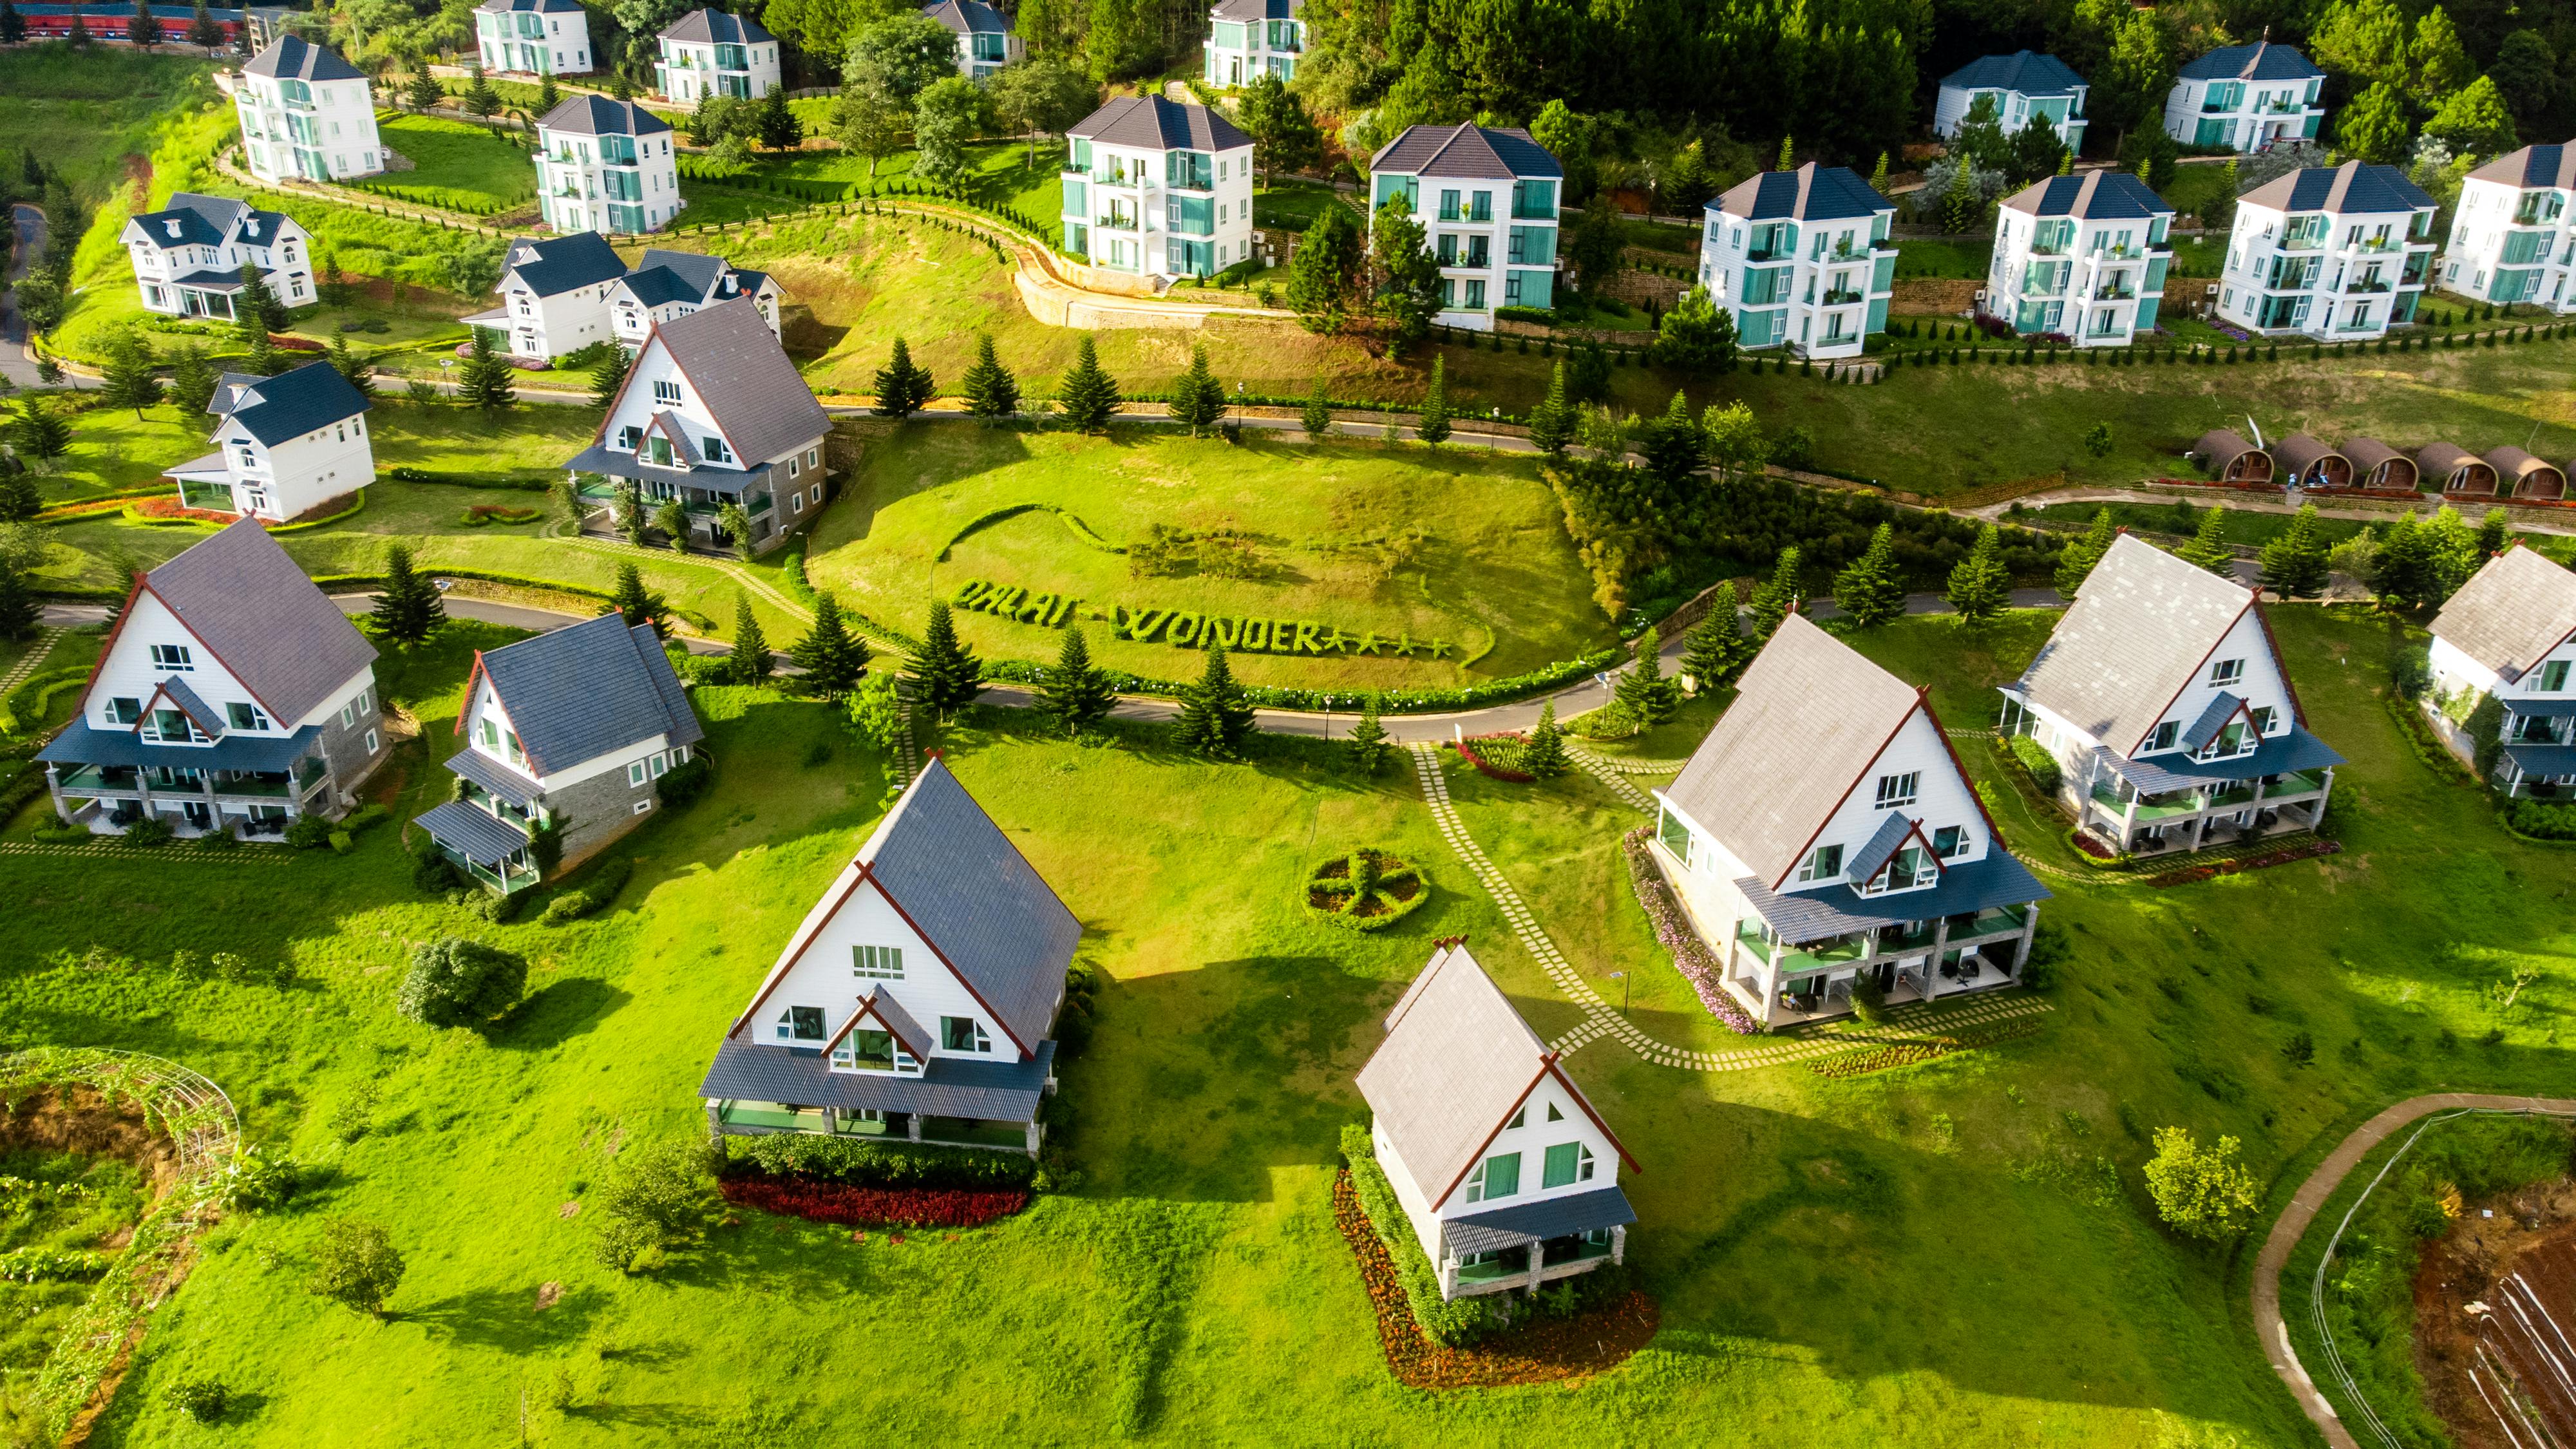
{"type": "Point", "coordinates": [2227, 457]}
{"type": "Point", "coordinates": [2520, 475]}
{"type": "Point", "coordinates": [554, 295]}
{"type": "Point", "coordinates": [1158, 188]}
{"type": "Point", "coordinates": [914, 1002]}
{"type": "Point", "coordinates": [668, 285]}
{"type": "Point", "coordinates": [2456, 469]}
{"type": "Point", "coordinates": [1486, 197]}
{"type": "Point", "coordinates": [2307, 462]}
{"type": "Point", "coordinates": [1507, 1174]}
{"type": "Point", "coordinates": [2512, 239]}
{"type": "Point", "coordinates": [287, 445]}
{"type": "Point", "coordinates": [533, 37]}
{"type": "Point", "coordinates": [2022, 85]}
{"type": "Point", "coordinates": [710, 53]}
{"type": "Point", "coordinates": [1801, 260]}
{"type": "Point", "coordinates": [2338, 253]}
{"type": "Point", "coordinates": [2245, 98]}
{"type": "Point", "coordinates": [232, 696]}
{"type": "Point", "coordinates": [1824, 835]}
{"type": "Point", "coordinates": [985, 43]}
{"type": "Point", "coordinates": [2509, 635]}
{"type": "Point", "coordinates": [568, 732]}
{"type": "Point", "coordinates": [2083, 257]}
{"type": "Point", "coordinates": [2379, 467]}
{"type": "Point", "coordinates": [306, 113]}
{"type": "Point", "coordinates": [1248, 39]}
{"type": "Point", "coordinates": [712, 413]}
{"type": "Point", "coordinates": [188, 255]}
{"type": "Point", "coordinates": [2165, 704]}
{"type": "Point", "coordinates": [606, 165]}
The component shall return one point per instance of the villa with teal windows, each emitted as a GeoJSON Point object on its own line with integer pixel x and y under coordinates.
{"type": "Point", "coordinates": [1158, 188]}
{"type": "Point", "coordinates": [1248, 39]}
{"type": "Point", "coordinates": [1801, 259]}
{"type": "Point", "coordinates": [2082, 257]}
{"type": "Point", "coordinates": [2340, 254]}
{"type": "Point", "coordinates": [2513, 239]}
{"type": "Point", "coordinates": [2246, 98]}
{"type": "Point", "coordinates": [1487, 200]}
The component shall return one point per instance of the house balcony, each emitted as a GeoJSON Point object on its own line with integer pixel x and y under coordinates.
{"type": "Point", "coordinates": [2117, 292]}
{"type": "Point", "coordinates": [505, 880]}
{"type": "Point", "coordinates": [1840, 297]}
{"type": "Point", "coordinates": [100, 782]}
{"type": "Point", "coordinates": [1799, 960]}
{"type": "Point", "coordinates": [1769, 254]}
{"type": "Point", "coordinates": [2368, 284]}
{"type": "Point", "coordinates": [2049, 249]}
{"type": "Point", "coordinates": [1115, 223]}
{"type": "Point", "coordinates": [2109, 799]}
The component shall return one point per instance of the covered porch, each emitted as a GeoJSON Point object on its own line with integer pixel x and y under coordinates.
{"type": "Point", "coordinates": [195, 294]}
{"type": "Point", "coordinates": [2537, 771]}
{"type": "Point", "coordinates": [755, 1088]}
{"type": "Point", "coordinates": [1531, 1244]}
{"type": "Point", "coordinates": [2176, 803]}
{"type": "Point", "coordinates": [702, 491]}
{"type": "Point", "coordinates": [1800, 955]}
{"type": "Point", "coordinates": [248, 786]}
{"type": "Point", "coordinates": [491, 851]}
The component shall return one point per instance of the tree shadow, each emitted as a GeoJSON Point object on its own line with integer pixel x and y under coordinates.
{"type": "Point", "coordinates": [509, 1320]}
{"type": "Point", "coordinates": [556, 1014]}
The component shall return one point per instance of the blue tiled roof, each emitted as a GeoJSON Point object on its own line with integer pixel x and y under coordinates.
{"type": "Point", "coordinates": [1810, 193]}
{"type": "Point", "coordinates": [1497, 153]}
{"type": "Point", "coordinates": [1536, 1222]}
{"type": "Point", "coordinates": [2558, 708]}
{"type": "Point", "coordinates": [2262, 61]}
{"type": "Point", "coordinates": [292, 404]}
{"type": "Point", "coordinates": [2093, 196]}
{"type": "Point", "coordinates": [82, 743]}
{"type": "Point", "coordinates": [994, 1091]}
{"type": "Point", "coordinates": [2355, 188]}
{"type": "Point", "coordinates": [2543, 759]}
{"type": "Point", "coordinates": [463, 827]}
{"type": "Point", "coordinates": [296, 58]}
{"type": "Point", "coordinates": [601, 459]}
{"type": "Point", "coordinates": [715, 27]}
{"type": "Point", "coordinates": [588, 115]}
{"type": "Point", "coordinates": [2025, 71]}
{"type": "Point", "coordinates": [588, 690]}
{"type": "Point", "coordinates": [1838, 910]}
{"type": "Point", "coordinates": [552, 266]}
{"type": "Point", "coordinates": [2545, 165]}
{"type": "Point", "coordinates": [2175, 770]}
{"type": "Point", "coordinates": [482, 769]}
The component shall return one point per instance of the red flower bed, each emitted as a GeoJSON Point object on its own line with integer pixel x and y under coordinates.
{"type": "Point", "coordinates": [295, 344]}
{"type": "Point", "coordinates": [2198, 873]}
{"type": "Point", "coordinates": [1467, 751]}
{"type": "Point", "coordinates": [833, 1202]}
{"type": "Point", "coordinates": [173, 508]}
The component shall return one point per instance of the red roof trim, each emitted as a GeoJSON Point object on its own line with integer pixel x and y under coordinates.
{"type": "Point", "coordinates": [1994, 832]}
{"type": "Point", "coordinates": [867, 1009]}
{"type": "Point", "coordinates": [2288, 685]}
{"type": "Point", "coordinates": [2132, 751]}
{"type": "Point", "coordinates": [796, 950]}
{"type": "Point", "coordinates": [1845, 798]}
{"type": "Point", "coordinates": [1546, 1064]}
{"type": "Point", "coordinates": [107, 651]}
{"type": "Point", "coordinates": [143, 585]}
{"type": "Point", "coordinates": [1585, 1103]}
{"type": "Point", "coordinates": [1025, 1049]}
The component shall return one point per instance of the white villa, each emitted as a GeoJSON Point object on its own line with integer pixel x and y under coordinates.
{"type": "Point", "coordinates": [533, 37]}
{"type": "Point", "coordinates": [710, 53]}
{"type": "Point", "coordinates": [2083, 257]}
{"type": "Point", "coordinates": [306, 113]}
{"type": "Point", "coordinates": [1824, 834]}
{"type": "Point", "coordinates": [287, 445]}
{"type": "Point", "coordinates": [1801, 260]}
{"type": "Point", "coordinates": [2023, 84]}
{"type": "Point", "coordinates": [1159, 188]}
{"type": "Point", "coordinates": [2246, 98]}
{"type": "Point", "coordinates": [1251, 38]}
{"type": "Point", "coordinates": [1509, 1177]}
{"type": "Point", "coordinates": [985, 42]}
{"type": "Point", "coordinates": [233, 695]}
{"type": "Point", "coordinates": [711, 413]}
{"type": "Point", "coordinates": [606, 165]}
{"type": "Point", "coordinates": [668, 285]}
{"type": "Point", "coordinates": [2339, 254]}
{"type": "Point", "coordinates": [188, 256]}
{"type": "Point", "coordinates": [2509, 635]}
{"type": "Point", "coordinates": [2512, 239]}
{"type": "Point", "coordinates": [2165, 704]}
{"type": "Point", "coordinates": [1487, 200]}
{"type": "Point", "coordinates": [915, 1001]}
{"type": "Point", "coordinates": [571, 730]}
{"type": "Point", "coordinates": [554, 295]}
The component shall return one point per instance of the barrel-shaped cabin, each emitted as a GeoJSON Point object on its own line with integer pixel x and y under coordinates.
{"type": "Point", "coordinates": [2306, 462]}
{"type": "Point", "coordinates": [2455, 470]}
{"type": "Point", "coordinates": [2520, 475]}
{"type": "Point", "coordinates": [2230, 459]}
{"type": "Point", "coordinates": [2379, 467]}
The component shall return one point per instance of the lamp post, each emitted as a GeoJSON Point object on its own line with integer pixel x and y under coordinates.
{"type": "Point", "coordinates": [1622, 978]}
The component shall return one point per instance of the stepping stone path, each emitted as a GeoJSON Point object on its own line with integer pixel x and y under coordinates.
{"type": "Point", "coordinates": [20, 672]}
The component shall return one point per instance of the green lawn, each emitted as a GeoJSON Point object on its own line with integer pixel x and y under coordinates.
{"type": "Point", "coordinates": [1002, 174]}
{"type": "Point", "coordinates": [1328, 544]}
{"type": "Point", "coordinates": [1942, 257]}
{"type": "Point", "coordinates": [84, 113]}
{"type": "Point", "coordinates": [1294, 205]}
{"type": "Point", "coordinates": [458, 165]}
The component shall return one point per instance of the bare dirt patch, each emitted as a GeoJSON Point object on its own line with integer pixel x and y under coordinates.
{"type": "Point", "coordinates": [83, 1120]}
{"type": "Point", "coordinates": [2495, 1321]}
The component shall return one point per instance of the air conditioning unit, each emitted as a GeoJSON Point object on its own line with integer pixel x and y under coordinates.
{"type": "Point", "coordinates": [2210, 291]}
{"type": "Point", "coordinates": [1259, 240]}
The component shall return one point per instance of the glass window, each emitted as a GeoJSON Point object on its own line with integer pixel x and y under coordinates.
{"type": "Point", "coordinates": [1894, 790]}
{"type": "Point", "coordinates": [245, 716]}
{"type": "Point", "coordinates": [1824, 864]}
{"type": "Point", "coordinates": [882, 963]}
{"type": "Point", "coordinates": [635, 773]}
{"type": "Point", "coordinates": [666, 390]}
{"type": "Point", "coordinates": [1675, 836]}
{"type": "Point", "coordinates": [963, 1034]}
{"type": "Point", "coordinates": [2263, 720]}
{"type": "Point", "coordinates": [171, 656]}
{"type": "Point", "coordinates": [1554, 1115]}
{"type": "Point", "coordinates": [2165, 735]}
{"type": "Point", "coordinates": [1949, 840]}
{"type": "Point", "coordinates": [869, 1051]}
{"type": "Point", "coordinates": [1567, 1163]}
{"type": "Point", "coordinates": [2553, 676]}
{"type": "Point", "coordinates": [125, 711]}
{"type": "Point", "coordinates": [2227, 671]}
{"type": "Point", "coordinates": [1499, 1177]}
{"type": "Point", "coordinates": [801, 1023]}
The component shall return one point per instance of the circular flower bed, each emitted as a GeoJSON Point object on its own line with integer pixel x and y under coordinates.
{"type": "Point", "coordinates": [1365, 890]}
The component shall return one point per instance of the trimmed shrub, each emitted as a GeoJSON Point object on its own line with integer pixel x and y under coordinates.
{"type": "Point", "coordinates": [593, 895]}
{"type": "Point", "coordinates": [2038, 761]}
{"type": "Point", "coordinates": [149, 833]}
{"type": "Point", "coordinates": [1367, 890]}
{"type": "Point", "coordinates": [456, 982]}
{"type": "Point", "coordinates": [2542, 821]}
{"type": "Point", "coordinates": [201, 1399]}
{"type": "Point", "coordinates": [865, 1162]}
{"type": "Point", "coordinates": [685, 782]}
{"type": "Point", "coordinates": [309, 832]}
{"type": "Point", "coordinates": [1455, 1323]}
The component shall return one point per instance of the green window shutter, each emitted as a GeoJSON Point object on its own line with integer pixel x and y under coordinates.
{"type": "Point", "coordinates": [1883, 276]}
{"type": "Point", "coordinates": [1561, 1163]}
{"type": "Point", "coordinates": [2147, 314]}
{"type": "Point", "coordinates": [2156, 274]}
{"type": "Point", "coordinates": [1502, 1175]}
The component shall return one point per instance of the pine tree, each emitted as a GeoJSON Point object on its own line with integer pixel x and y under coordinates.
{"type": "Point", "coordinates": [487, 374]}
{"type": "Point", "coordinates": [263, 360]}
{"type": "Point", "coordinates": [255, 307]}
{"type": "Point", "coordinates": [750, 662]}
{"type": "Point", "coordinates": [992, 394]}
{"type": "Point", "coordinates": [1075, 695]}
{"type": "Point", "coordinates": [1214, 718]}
{"type": "Point", "coordinates": [13, 26]}
{"type": "Point", "coordinates": [20, 612]}
{"type": "Point", "coordinates": [144, 27]}
{"type": "Point", "coordinates": [346, 362]}
{"type": "Point", "coordinates": [1368, 739]}
{"type": "Point", "coordinates": [1709, 649]}
{"type": "Point", "coordinates": [1979, 586]}
{"type": "Point", "coordinates": [1644, 696]}
{"type": "Point", "coordinates": [637, 604]}
{"type": "Point", "coordinates": [1545, 758]}
{"type": "Point", "coordinates": [622, 89]}
{"type": "Point", "coordinates": [128, 379]}
{"type": "Point", "coordinates": [1551, 424]}
{"type": "Point", "coordinates": [408, 609]}
{"type": "Point", "coordinates": [480, 98]}
{"type": "Point", "coordinates": [608, 376]}
{"type": "Point", "coordinates": [630, 514]}
{"type": "Point", "coordinates": [425, 91]}
{"type": "Point", "coordinates": [832, 657]}
{"type": "Point", "coordinates": [2208, 548]}
{"type": "Point", "coordinates": [39, 434]}
{"type": "Point", "coordinates": [1317, 420]}
{"type": "Point", "coordinates": [946, 675]}
{"type": "Point", "coordinates": [1788, 155]}
{"type": "Point", "coordinates": [20, 497]}
{"type": "Point", "coordinates": [1434, 427]}
{"type": "Point", "coordinates": [902, 387]}
{"type": "Point", "coordinates": [2294, 562]}
{"type": "Point", "coordinates": [549, 95]}
{"type": "Point", "coordinates": [1869, 589]}
{"type": "Point", "coordinates": [2495, 533]}
{"type": "Point", "coordinates": [1775, 600]}
{"type": "Point", "coordinates": [204, 31]}
{"type": "Point", "coordinates": [1878, 177]}
{"type": "Point", "coordinates": [1198, 399]}
{"type": "Point", "coordinates": [2077, 560]}
{"type": "Point", "coordinates": [2402, 575]}
{"type": "Point", "coordinates": [1087, 396]}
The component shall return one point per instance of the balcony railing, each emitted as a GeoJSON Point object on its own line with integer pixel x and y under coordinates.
{"type": "Point", "coordinates": [2121, 292]}
{"type": "Point", "coordinates": [1994, 921]}
{"type": "Point", "coordinates": [1840, 296]}
{"type": "Point", "coordinates": [256, 789]}
{"type": "Point", "coordinates": [2368, 284]}
{"type": "Point", "coordinates": [2300, 782]}
{"type": "Point", "coordinates": [1116, 223]}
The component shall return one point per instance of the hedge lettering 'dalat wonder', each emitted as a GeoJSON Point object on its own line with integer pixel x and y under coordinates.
{"type": "Point", "coordinates": [1184, 629]}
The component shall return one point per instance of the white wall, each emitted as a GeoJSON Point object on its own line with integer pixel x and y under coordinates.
{"type": "Point", "coordinates": [342, 121]}
{"type": "Point", "coordinates": [550, 327]}
{"type": "Point", "coordinates": [300, 472]}
{"type": "Point", "coordinates": [563, 49]}
{"type": "Point", "coordinates": [823, 976]}
{"type": "Point", "coordinates": [567, 773]}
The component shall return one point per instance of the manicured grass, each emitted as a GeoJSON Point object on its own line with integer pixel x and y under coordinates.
{"type": "Point", "coordinates": [85, 112]}
{"type": "Point", "coordinates": [1327, 526]}
{"type": "Point", "coordinates": [2177, 521]}
{"type": "Point", "coordinates": [1294, 205]}
{"type": "Point", "coordinates": [2199, 191]}
{"type": "Point", "coordinates": [1942, 257]}
{"type": "Point", "coordinates": [457, 165]}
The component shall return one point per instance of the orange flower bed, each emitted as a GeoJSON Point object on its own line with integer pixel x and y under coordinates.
{"type": "Point", "coordinates": [1547, 1351]}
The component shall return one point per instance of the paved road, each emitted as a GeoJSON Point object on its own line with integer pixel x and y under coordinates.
{"type": "Point", "coordinates": [2310, 1199]}
{"type": "Point", "coordinates": [14, 362]}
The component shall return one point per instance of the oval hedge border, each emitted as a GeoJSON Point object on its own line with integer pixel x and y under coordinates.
{"type": "Point", "coordinates": [1342, 884]}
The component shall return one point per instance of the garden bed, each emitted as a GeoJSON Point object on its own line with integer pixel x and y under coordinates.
{"type": "Point", "coordinates": [2193, 875]}
{"type": "Point", "coordinates": [1367, 889]}
{"type": "Point", "coordinates": [1691, 956]}
{"type": "Point", "coordinates": [1497, 755]}
{"type": "Point", "coordinates": [817, 1200]}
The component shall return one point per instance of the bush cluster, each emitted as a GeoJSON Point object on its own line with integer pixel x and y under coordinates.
{"type": "Point", "coordinates": [2038, 761]}
{"type": "Point", "coordinates": [2542, 821]}
{"type": "Point", "coordinates": [834, 1202]}
{"type": "Point", "coordinates": [592, 896]}
{"type": "Point", "coordinates": [1457, 1322]}
{"type": "Point", "coordinates": [861, 1162]}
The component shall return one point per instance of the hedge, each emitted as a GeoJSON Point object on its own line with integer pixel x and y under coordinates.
{"type": "Point", "coordinates": [590, 896]}
{"type": "Point", "coordinates": [328, 582]}
{"type": "Point", "coordinates": [1454, 1322]}
{"type": "Point", "coordinates": [2038, 761]}
{"type": "Point", "coordinates": [1393, 701]}
{"type": "Point", "coordinates": [28, 700]}
{"type": "Point", "coordinates": [863, 1162]}
{"type": "Point", "coordinates": [523, 482]}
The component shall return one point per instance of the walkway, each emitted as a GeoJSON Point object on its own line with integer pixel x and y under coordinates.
{"type": "Point", "coordinates": [18, 672]}
{"type": "Point", "coordinates": [2528, 520]}
{"type": "Point", "coordinates": [2311, 1198]}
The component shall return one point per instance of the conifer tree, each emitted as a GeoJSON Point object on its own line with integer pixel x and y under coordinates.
{"type": "Point", "coordinates": [1214, 717]}
{"type": "Point", "coordinates": [1198, 399]}
{"type": "Point", "coordinates": [1317, 420]}
{"type": "Point", "coordinates": [255, 307]}
{"type": "Point", "coordinates": [128, 380]}
{"type": "Point", "coordinates": [1075, 694]}
{"type": "Point", "coordinates": [2402, 575]}
{"type": "Point", "coordinates": [2294, 562]}
{"type": "Point", "coordinates": [1979, 586]}
{"type": "Point", "coordinates": [204, 31]}
{"type": "Point", "coordinates": [1644, 696]}
{"type": "Point", "coordinates": [750, 662]}
{"type": "Point", "coordinates": [946, 675]}
{"type": "Point", "coordinates": [549, 95]}
{"type": "Point", "coordinates": [1878, 177]}
{"type": "Point", "coordinates": [263, 360]}
{"type": "Point", "coordinates": [1545, 758]}
{"type": "Point", "coordinates": [480, 98]}
{"type": "Point", "coordinates": [40, 435]}
{"type": "Point", "coordinates": [1869, 589]}
{"type": "Point", "coordinates": [1434, 427]}
{"type": "Point", "coordinates": [673, 519]}
{"type": "Point", "coordinates": [20, 497]}
{"type": "Point", "coordinates": [2208, 548]}
{"type": "Point", "coordinates": [487, 374]}
{"type": "Point", "coordinates": [2077, 560]}
{"type": "Point", "coordinates": [1708, 650]}
{"type": "Point", "coordinates": [608, 376]}
{"type": "Point", "coordinates": [1775, 600]}
{"type": "Point", "coordinates": [992, 394]}
{"type": "Point", "coordinates": [1788, 154]}
{"type": "Point", "coordinates": [902, 386]}
{"type": "Point", "coordinates": [192, 381]}
{"type": "Point", "coordinates": [346, 362]}
{"type": "Point", "coordinates": [1551, 424]}
{"type": "Point", "coordinates": [1087, 396]}
{"type": "Point", "coordinates": [637, 604]}
{"type": "Point", "coordinates": [424, 90]}
{"type": "Point", "coordinates": [2495, 533]}
{"type": "Point", "coordinates": [832, 657]}
{"type": "Point", "coordinates": [408, 609]}
{"type": "Point", "coordinates": [1368, 739]}
{"type": "Point", "coordinates": [630, 514]}
{"type": "Point", "coordinates": [20, 612]}
{"type": "Point", "coordinates": [143, 27]}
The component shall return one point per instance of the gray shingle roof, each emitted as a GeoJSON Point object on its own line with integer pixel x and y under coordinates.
{"type": "Point", "coordinates": [265, 622]}
{"type": "Point", "coordinates": [969, 17]}
{"type": "Point", "coordinates": [2510, 613]}
{"type": "Point", "coordinates": [759, 402]}
{"type": "Point", "coordinates": [1477, 153]}
{"type": "Point", "coordinates": [2262, 61]}
{"type": "Point", "coordinates": [1810, 193]}
{"type": "Point", "coordinates": [292, 404]}
{"type": "Point", "coordinates": [1535, 1222]}
{"type": "Point", "coordinates": [206, 221]}
{"type": "Point", "coordinates": [492, 775]}
{"type": "Point", "coordinates": [2551, 165]}
{"type": "Point", "coordinates": [2356, 188]}
{"type": "Point", "coordinates": [1893, 830]}
{"type": "Point", "coordinates": [715, 27]}
{"type": "Point", "coordinates": [599, 116]}
{"type": "Point", "coordinates": [292, 57]}
{"type": "Point", "coordinates": [2213, 717]}
{"type": "Point", "coordinates": [554, 265]}
{"type": "Point", "coordinates": [1248, 11]}
{"type": "Point", "coordinates": [1807, 720]}
{"type": "Point", "coordinates": [584, 691]}
{"type": "Point", "coordinates": [1152, 123]}
{"type": "Point", "coordinates": [483, 839]}
{"type": "Point", "coordinates": [2139, 630]}
{"type": "Point", "coordinates": [547, 7]}
{"type": "Point", "coordinates": [175, 689]}
{"type": "Point", "coordinates": [2025, 71]}
{"type": "Point", "coordinates": [996, 1091]}
{"type": "Point", "coordinates": [971, 893]}
{"type": "Point", "coordinates": [881, 1006]}
{"type": "Point", "coordinates": [2093, 196]}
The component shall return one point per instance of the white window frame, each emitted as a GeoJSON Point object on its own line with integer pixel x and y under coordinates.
{"type": "Point", "coordinates": [1896, 790]}
{"type": "Point", "coordinates": [636, 775]}
{"type": "Point", "coordinates": [877, 963]}
{"type": "Point", "coordinates": [176, 658]}
{"type": "Point", "coordinates": [641, 806]}
{"type": "Point", "coordinates": [2224, 672]}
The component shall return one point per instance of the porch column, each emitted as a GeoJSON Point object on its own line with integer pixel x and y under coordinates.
{"type": "Point", "coordinates": [1448, 1277]}
{"type": "Point", "coordinates": [143, 786]}
{"type": "Point", "coordinates": [54, 792]}
{"type": "Point", "coordinates": [2128, 822]}
{"type": "Point", "coordinates": [2323, 794]}
{"type": "Point", "coordinates": [2029, 928]}
{"type": "Point", "coordinates": [214, 812]}
{"type": "Point", "coordinates": [831, 1121]}
{"type": "Point", "coordinates": [912, 1125]}
{"type": "Point", "coordinates": [1940, 948]}
{"type": "Point", "coordinates": [1036, 1134]}
{"type": "Point", "coordinates": [1618, 1246]}
{"type": "Point", "coordinates": [715, 1118]}
{"type": "Point", "coordinates": [1770, 979]}
{"type": "Point", "coordinates": [2200, 825]}
{"type": "Point", "coordinates": [1537, 1263]}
